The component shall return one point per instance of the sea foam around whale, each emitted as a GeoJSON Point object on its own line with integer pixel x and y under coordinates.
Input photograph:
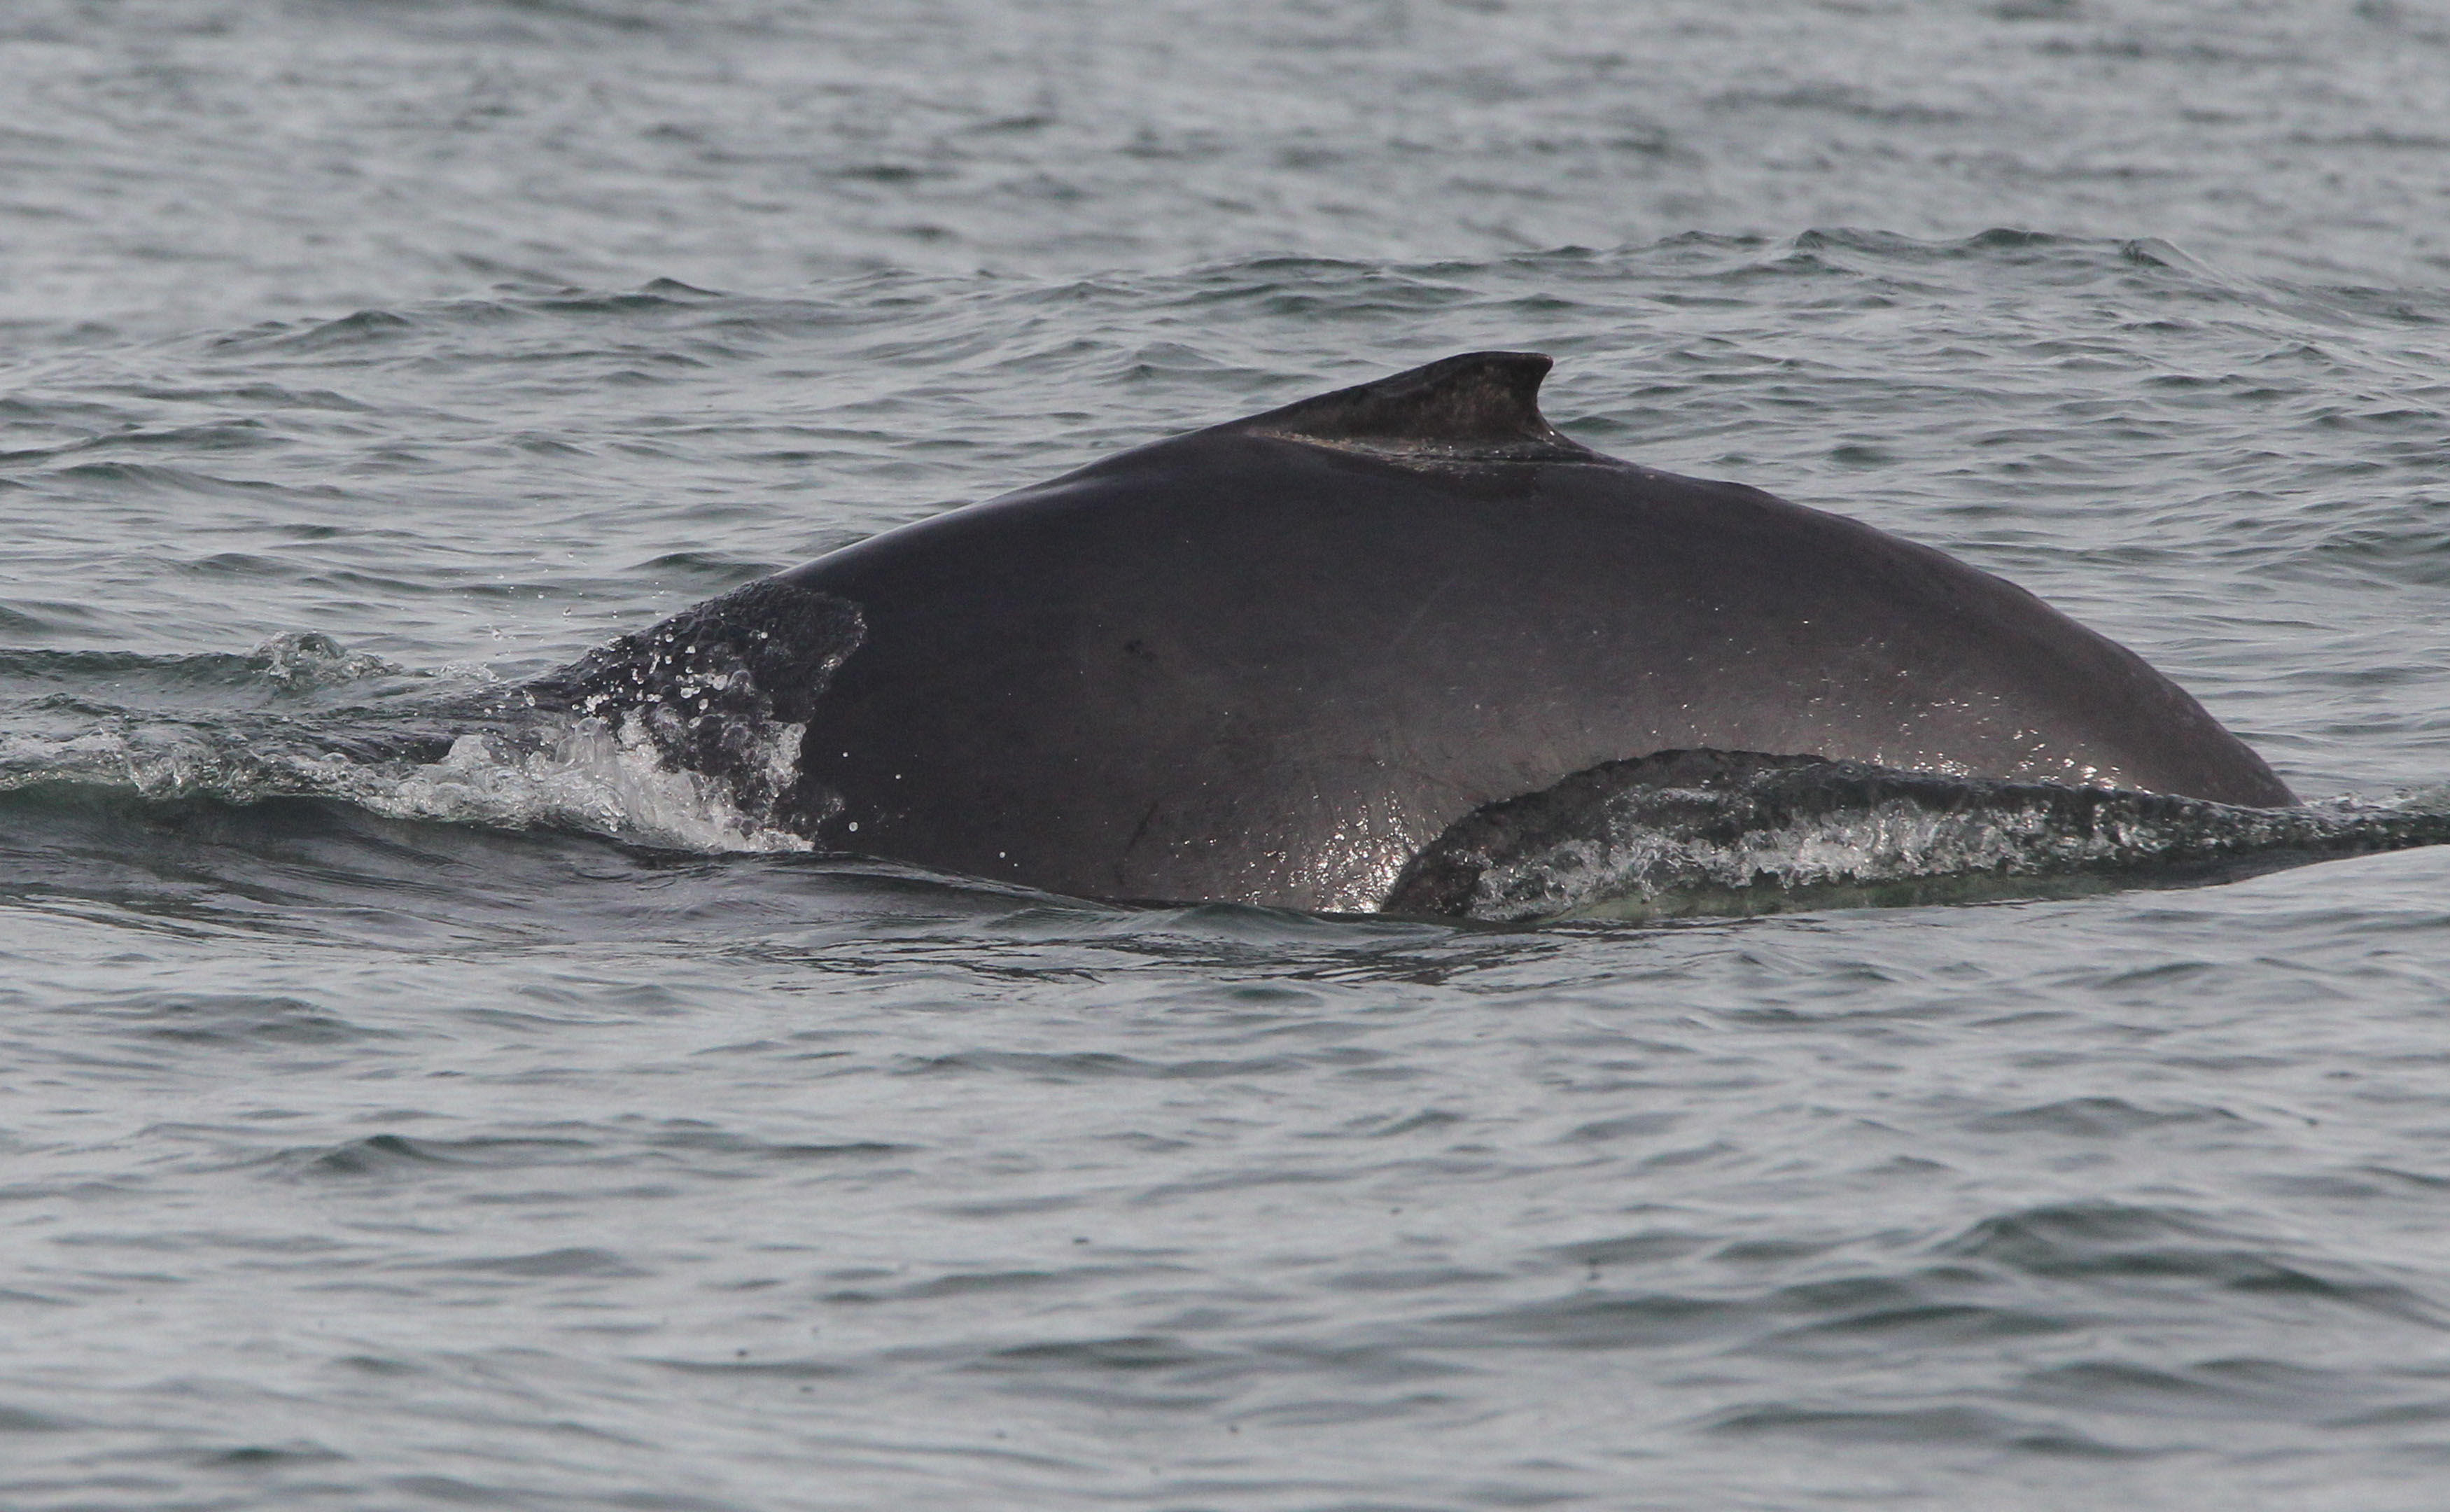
{"type": "Point", "coordinates": [1678, 835]}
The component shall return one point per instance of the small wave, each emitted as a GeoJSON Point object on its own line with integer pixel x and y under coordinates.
{"type": "Point", "coordinates": [292, 663]}
{"type": "Point", "coordinates": [594, 774]}
{"type": "Point", "coordinates": [1686, 833]}
{"type": "Point", "coordinates": [587, 773]}
{"type": "Point", "coordinates": [312, 659]}
{"type": "Point", "coordinates": [451, 755]}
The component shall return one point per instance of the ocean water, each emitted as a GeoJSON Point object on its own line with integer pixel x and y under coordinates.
{"type": "Point", "coordinates": [530, 1133]}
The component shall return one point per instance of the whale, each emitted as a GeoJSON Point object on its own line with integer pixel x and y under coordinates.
{"type": "Point", "coordinates": [1273, 660]}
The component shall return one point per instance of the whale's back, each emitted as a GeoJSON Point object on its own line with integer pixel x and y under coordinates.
{"type": "Point", "coordinates": [1258, 664]}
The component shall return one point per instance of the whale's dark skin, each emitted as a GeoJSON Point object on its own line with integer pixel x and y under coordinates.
{"type": "Point", "coordinates": [1269, 662]}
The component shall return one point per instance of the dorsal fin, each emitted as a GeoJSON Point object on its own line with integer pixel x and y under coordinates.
{"type": "Point", "coordinates": [1478, 406]}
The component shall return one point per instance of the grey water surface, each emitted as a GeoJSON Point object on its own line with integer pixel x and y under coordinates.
{"type": "Point", "coordinates": [526, 1131]}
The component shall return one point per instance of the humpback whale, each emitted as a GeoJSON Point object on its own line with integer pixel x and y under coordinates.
{"type": "Point", "coordinates": [1273, 660]}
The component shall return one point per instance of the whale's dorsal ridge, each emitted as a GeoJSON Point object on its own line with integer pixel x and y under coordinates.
{"type": "Point", "coordinates": [1475, 406]}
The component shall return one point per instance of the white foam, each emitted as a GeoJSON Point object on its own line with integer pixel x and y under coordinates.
{"type": "Point", "coordinates": [1835, 835]}
{"type": "Point", "coordinates": [584, 774]}
{"type": "Point", "coordinates": [590, 775]}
